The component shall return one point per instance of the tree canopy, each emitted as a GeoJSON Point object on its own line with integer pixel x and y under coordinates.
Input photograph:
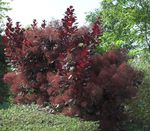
{"type": "Point", "coordinates": [3, 8]}
{"type": "Point", "coordinates": [126, 23]}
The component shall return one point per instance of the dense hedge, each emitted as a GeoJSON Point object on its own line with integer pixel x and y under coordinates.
{"type": "Point", "coordinates": [57, 64]}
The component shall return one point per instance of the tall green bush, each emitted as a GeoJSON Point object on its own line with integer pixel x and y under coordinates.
{"type": "Point", "coordinates": [139, 109]}
{"type": "Point", "coordinates": [4, 90]}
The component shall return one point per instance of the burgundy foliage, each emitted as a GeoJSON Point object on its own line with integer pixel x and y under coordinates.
{"type": "Point", "coordinates": [57, 64]}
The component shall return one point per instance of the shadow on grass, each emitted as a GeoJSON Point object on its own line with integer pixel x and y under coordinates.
{"type": "Point", "coordinates": [5, 105]}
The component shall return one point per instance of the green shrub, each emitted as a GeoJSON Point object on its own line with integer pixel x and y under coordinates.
{"type": "Point", "coordinates": [27, 118]}
{"type": "Point", "coordinates": [139, 109]}
{"type": "Point", "coordinates": [4, 90]}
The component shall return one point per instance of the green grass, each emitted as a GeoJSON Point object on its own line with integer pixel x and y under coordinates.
{"type": "Point", "coordinates": [30, 118]}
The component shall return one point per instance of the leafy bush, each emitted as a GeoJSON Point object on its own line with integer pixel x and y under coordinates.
{"type": "Point", "coordinates": [4, 90]}
{"type": "Point", "coordinates": [139, 109]}
{"type": "Point", "coordinates": [23, 118]}
{"type": "Point", "coordinates": [57, 65]}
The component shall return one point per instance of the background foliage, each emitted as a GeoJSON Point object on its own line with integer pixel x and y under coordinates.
{"type": "Point", "coordinates": [4, 7]}
{"type": "Point", "coordinates": [4, 90]}
{"type": "Point", "coordinates": [126, 23]}
{"type": "Point", "coordinates": [139, 111]}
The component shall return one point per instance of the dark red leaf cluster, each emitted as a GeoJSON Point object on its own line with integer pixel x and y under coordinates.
{"type": "Point", "coordinates": [58, 65]}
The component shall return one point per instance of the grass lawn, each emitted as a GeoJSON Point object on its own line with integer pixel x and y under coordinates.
{"type": "Point", "coordinates": [30, 118]}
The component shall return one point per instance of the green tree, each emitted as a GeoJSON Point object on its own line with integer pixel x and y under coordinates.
{"type": "Point", "coordinates": [126, 23]}
{"type": "Point", "coordinates": [3, 8]}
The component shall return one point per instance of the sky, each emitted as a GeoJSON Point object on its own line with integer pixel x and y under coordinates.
{"type": "Point", "coordinates": [25, 11]}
